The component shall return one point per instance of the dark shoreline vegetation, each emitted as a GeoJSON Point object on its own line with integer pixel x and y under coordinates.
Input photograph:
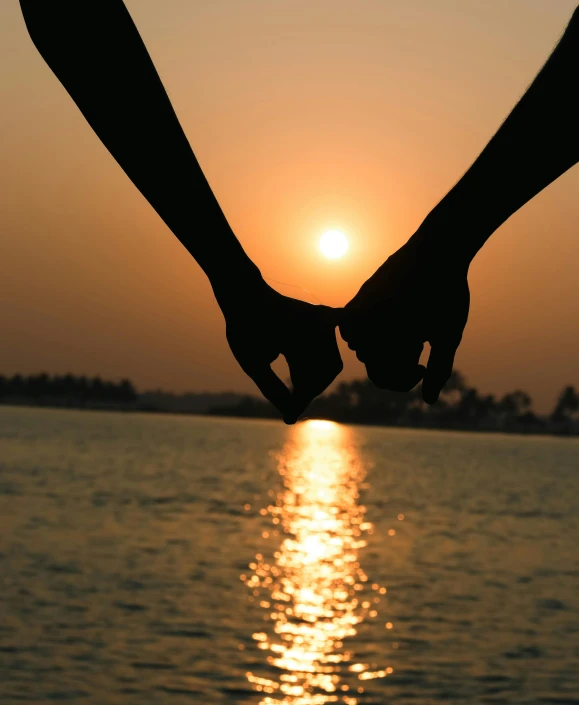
{"type": "Point", "coordinates": [460, 406]}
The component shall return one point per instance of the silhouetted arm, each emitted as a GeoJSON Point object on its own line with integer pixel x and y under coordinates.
{"type": "Point", "coordinates": [96, 52]}
{"type": "Point", "coordinates": [537, 143]}
{"type": "Point", "coordinates": [420, 294]}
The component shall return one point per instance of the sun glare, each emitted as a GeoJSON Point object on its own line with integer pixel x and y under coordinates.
{"type": "Point", "coordinates": [333, 244]}
{"type": "Point", "coordinates": [312, 587]}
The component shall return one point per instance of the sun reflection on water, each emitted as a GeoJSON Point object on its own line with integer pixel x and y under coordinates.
{"type": "Point", "coordinates": [314, 591]}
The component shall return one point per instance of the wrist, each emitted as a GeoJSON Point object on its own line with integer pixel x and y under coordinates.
{"type": "Point", "coordinates": [233, 286]}
{"type": "Point", "coordinates": [443, 243]}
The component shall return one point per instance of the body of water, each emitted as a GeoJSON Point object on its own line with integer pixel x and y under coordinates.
{"type": "Point", "coordinates": [178, 560]}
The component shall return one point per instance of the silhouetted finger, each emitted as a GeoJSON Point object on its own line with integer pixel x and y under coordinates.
{"type": "Point", "coordinates": [315, 362]}
{"type": "Point", "coordinates": [271, 386]}
{"type": "Point", "coordinates": [438, 370]}
{"type": "Point", "coordinates": [312, 373]}
{"type": "Point", "coordinates": [330, 315]}
{"type": "Point", "coordinates": [307, 388]}
{"type": "Point", "coordinates": [349, 327]}
{"type": "Point", "coordinates": [300, 400]}
{"type": "Point", "coordinates": [304, 393]}
{"type": "Point", "coordinates": [297, 407]}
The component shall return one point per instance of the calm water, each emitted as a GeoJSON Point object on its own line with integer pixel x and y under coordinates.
{"type": "Point", "coordinates": [159, 559]}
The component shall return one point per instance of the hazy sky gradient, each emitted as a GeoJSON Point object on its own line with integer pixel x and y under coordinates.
{"type": "Point", "coordinates": [304, 116]}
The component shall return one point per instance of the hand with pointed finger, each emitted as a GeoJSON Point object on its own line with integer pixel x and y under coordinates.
{"type": "Point", "coordinates": [418, 295]}
{"type": "Point", "coordinates": [262, 324]}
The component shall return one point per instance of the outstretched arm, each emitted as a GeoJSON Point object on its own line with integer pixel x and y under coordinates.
{"type": "Point", "coordinates": [537, 143]}
{"type": "Point", "coordinates": [98, 55]}
{"type": "Point", "coordinates": [421, 292]}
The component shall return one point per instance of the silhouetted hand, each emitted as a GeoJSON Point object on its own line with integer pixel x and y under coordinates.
{"type": "Point", "coordinates": [261, 324]}
{"type": "Point", "coordinates": [416, 296]}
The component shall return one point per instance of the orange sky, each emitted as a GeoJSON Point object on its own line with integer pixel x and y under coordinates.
{"type": "Point", "coordinates": [305, 116]}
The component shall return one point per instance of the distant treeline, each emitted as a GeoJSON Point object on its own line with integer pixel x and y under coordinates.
{"type": "Point", "coordinates": [82, 392]}
{"type": "Point", "coordinates": [188, 403]}
{"type": "Point", "coordinates": [460, 406]}
{"type": "Point", "coordinates": [67, 390]}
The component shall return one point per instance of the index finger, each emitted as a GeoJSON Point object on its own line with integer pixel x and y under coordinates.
{"type": "Point", "coordinates": [310, 377]}
{"type": "Point", "coordinates": [438, 370]}
{"type": "Point", "coordinates": [271, 386]}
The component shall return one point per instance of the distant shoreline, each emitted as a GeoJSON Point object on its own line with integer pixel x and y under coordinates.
{"type": "Point", "coordinates": [460, 407]}
{"type": "Point", "coordinates": [126, 409]}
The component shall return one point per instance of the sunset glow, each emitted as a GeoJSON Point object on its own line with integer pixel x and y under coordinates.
{"type": "Point", "coordinates": [333, 244]}
{"type": "Point", "coordinates": [301, 126]}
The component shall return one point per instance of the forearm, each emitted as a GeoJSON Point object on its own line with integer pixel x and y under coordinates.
{"type": "Point", "coordinates": [97, 53]}
{"type": "Point", "coordinates": [537, 143]}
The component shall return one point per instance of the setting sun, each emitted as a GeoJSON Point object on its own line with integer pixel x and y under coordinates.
{"type": "Point", "coordinates": [333, 244]}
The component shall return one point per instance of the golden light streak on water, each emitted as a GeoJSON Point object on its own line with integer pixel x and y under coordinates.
{"type": "Point", "coordinates": [314, 590]}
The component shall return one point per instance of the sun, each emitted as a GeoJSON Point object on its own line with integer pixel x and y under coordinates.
{"type": "Point", "coordinates": [333, 244]}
